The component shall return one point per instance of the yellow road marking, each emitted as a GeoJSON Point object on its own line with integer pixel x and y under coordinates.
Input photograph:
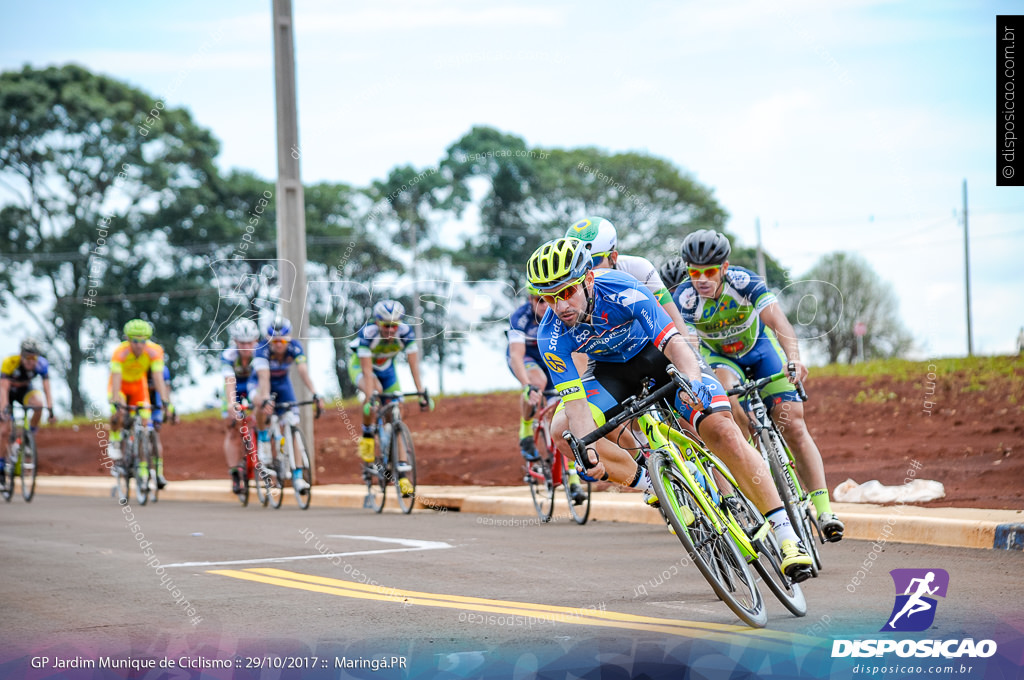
{"type": "Point", "coordinates": [541, 612]}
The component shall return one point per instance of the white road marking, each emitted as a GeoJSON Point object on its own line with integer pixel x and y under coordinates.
{"type": "Point", "coordinates": [411, 544]}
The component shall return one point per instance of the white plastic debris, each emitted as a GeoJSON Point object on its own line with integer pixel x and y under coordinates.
{"type": "Point", "coordinates": [917, 491]}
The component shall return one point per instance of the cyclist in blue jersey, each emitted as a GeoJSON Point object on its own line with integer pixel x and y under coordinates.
{"type": "Point", "coordinates": [270, 384]}
{"type": "Point", "coordinates": [743, 331]}
{"type": "Point", "coordinates": [524, 360]}
{"type": "Point", "coordinates": [372, 368]}
{"type": "Point", "coordinates": [630, 341]}
{"type": "Point", "coordinates": [236, 366]}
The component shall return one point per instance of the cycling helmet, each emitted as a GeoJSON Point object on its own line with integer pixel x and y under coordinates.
{"type": "Point", "coordinates": [388, 311]}
{"type": "Point", "coordinates": [137, 328]}
{"type": "Point", "coordinates": [705, 246]}
{"type": "Point", "coordinates": [245, 330]}
{"type": "Point", "coordinates": [280, 327]}
{"type": "Point", "coordinates": [31, 346]}
{"type": "Point", "coordinates": [597, 232]}
{"type": "Point", "coordinates": [673, 272]}
{"type": "Point", "coordinates": [558, 263]}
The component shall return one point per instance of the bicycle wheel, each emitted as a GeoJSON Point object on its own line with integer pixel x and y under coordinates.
{"type": "Point", "coordinates": [403, 458]}
{"type": "Point", "coordinates": [8, 486]}
{"type": "Point", "coordinates": [125, 470]}
{"type": "Point", "coordinates": [245, 467]}
{"type": "Point", "coordinates": [715, 554]}
{"type": "Point", "coordinates": [277, 484]}
{"type": "Point", "coordinates": [263, 480]}
{"type": "Point", "coordinates": [28, 467]}
{"type": "Point", "coordinates": [775, 449]}
{"type": "Point", "coordinates": [302, 458]}
{"type": "Point", "coordinates": [769, 561]}
{"type": "Point", "coordinates": [542, 488]}
{"type": "Point", "coordinates": [580, 512]}
{"type": "Point", "coordinates": [813, 535]}
{"type": "Point", "coordinates": [140, 445]}
{"type": "Point", "coordinates": [152, 438]}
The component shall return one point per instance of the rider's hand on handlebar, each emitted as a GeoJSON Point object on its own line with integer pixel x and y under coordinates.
{"type": "Point", "coordinates": [534, 396]}
{"type": "Point", "coordinates": [426, 403]}
{"type": "Point", "coordinates": [268, 407]}
{"type": "Point", "coordinates": [52, 418]}
{"type": "Point", "coordinates": [797, 371]}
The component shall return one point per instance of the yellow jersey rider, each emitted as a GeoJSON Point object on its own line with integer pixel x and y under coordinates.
{"type": "Point", "coordinates": [129, 364]}
{"type": "Point", "coordinates": [16, 375]}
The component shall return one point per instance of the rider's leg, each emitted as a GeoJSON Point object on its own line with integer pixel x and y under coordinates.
{"type": "Point", "coordinates": [368, 384]}
{"type": "Point", "coordinates": [538, 379]}
{"type": "Point", "coordinates": [35, 398]}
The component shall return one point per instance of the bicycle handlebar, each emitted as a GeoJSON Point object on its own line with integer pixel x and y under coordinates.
{"type": "Point", "coordinates": [750, 386]}
{"type": "Point", "coordinates": [284, 405]}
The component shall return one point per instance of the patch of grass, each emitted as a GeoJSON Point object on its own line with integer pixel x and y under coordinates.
{"type": "Point", "coordinates": [873, 396]}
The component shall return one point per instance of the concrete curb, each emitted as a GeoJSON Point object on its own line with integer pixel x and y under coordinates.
{"type": "Point", "coordinates": [952, 527]}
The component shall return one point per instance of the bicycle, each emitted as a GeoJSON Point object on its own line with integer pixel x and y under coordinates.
{"type": "Point", "coordinates": [395, 457]}
{"type": "Point", "coordinates": [780, 461]}
{"type": "Point", "coordinates": [288, 453]}
{"type": "Point", "coordinates": [249, 461]}
{"type": "Point", "coordinates": [139, 457]}
{"type": "Point", "coordinates": [721, 533]}
{"type": "Point", "coordinates": [22, 456]}
{"type": "Point", "coordinates": [545, 474]}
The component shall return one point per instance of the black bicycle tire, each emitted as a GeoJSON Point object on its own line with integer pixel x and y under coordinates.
{"type": "Point", "coordinates": [263, 482]}
{"type": "Point", "coordinates": [543, 503]}
{"type": "Point", "coordinates": [400, 432]}
{"type": "Point", "coordinates": [579, 516]}
{"type": "Point", "coordinates": [774, 449]}
{"type": "Point", "coordinates": [139, 454]}
{"type": "Point", "coordinates": [28, 490]}
{"type": "Point", "coordinates": [155, 464]}
{"type": "Point", "coordinates": [662, 471]}
{"type": "Point", "coordinates": [303, 459]}
{"type": "Point", "coordinates": [7, 490]}
{"type": "Point", "coordinates": [769, 561]}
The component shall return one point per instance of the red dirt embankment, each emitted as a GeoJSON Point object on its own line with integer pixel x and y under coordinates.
{"type": "Point", "coordinates": [967, 435]}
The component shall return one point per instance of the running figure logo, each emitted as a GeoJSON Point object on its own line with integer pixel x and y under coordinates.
{"type": "Point", "coordinates": [913, 609]}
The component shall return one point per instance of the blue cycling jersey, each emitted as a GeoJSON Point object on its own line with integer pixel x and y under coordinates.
{"type": "Point", "coordinates": [523, 329]}
{"type": "Point", "coordinates": [278, 366]}
{"type": "Point", "coordinates": [625, 318]}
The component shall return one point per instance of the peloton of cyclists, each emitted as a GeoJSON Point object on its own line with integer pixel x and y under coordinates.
{"type": "Point", "coordinates": [372, 369]}
{"type": "Point", "coordinates": [130, 364]}
{"type": "Point", "coordinates": [269, 384]}
{"type": "Point", "coordinates": [17, 372]}
{"type": "Point", "coordinates": [742, 329]}
{"type": "Point", "coordinates": [616, 321]}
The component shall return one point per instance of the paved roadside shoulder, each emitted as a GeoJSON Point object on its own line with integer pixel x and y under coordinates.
{"type": "Point", "coordinates": [953, 527]}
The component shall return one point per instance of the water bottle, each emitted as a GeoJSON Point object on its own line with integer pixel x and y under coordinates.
{"type": "Point", "coordinates": [703, 481]}
{"type": "Point", "coordinates": [385, 437]}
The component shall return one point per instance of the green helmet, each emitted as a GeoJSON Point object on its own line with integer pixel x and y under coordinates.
{"type": "Point", "coordinates": [597, 232]}
{"type": "Point", "coordinates": [138, 328]}
{"type": "Point", "coordinates": [557, 263]}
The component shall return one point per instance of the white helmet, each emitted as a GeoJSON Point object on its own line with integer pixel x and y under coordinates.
{"type": "Point", "coordinates": [245, 330]}
{"type": "Point", "coordinates": [597, 232]}
{"type": "Point", "coordinates": [388, 311]}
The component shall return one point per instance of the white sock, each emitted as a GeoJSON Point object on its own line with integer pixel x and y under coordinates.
{"type": "Point", "coordinates": [780, 523]}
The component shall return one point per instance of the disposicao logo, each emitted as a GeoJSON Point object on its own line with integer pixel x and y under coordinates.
{"type": "Point", "coordinates": [914, 610]}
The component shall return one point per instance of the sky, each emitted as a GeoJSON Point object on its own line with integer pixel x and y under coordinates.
{"type": "Point", "coordinates": [847, 126]}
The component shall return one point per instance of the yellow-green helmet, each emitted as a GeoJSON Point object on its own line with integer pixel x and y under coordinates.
{"type": "Point", "coordinates": [138, 328]}
{"type": "Point", "coordinates": [558, 263]}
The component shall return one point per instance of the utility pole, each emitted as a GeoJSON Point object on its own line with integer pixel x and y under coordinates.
{"type": "Point", "coordinates": [967, 276]}
{"type": "Point", "coordinates": [291, 203]}
{"type": "Point", "coordinates": [760, 252]}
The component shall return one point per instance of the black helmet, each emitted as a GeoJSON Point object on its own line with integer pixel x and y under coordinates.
{"type": "Point", "coordinates": [705, 246]}
{"type": "Point", "coordinates": [673, 272]}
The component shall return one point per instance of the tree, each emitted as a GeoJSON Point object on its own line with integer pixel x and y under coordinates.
{"type": "Point", "coordinates": [839, 291]}
{"type": "Point", "coordinates": [85, 160]}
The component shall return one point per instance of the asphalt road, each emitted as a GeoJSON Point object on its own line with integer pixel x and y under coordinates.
{"type": "Point", "coordinates": [86, 577]}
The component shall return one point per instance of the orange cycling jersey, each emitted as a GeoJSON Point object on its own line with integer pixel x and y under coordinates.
{"type": "Point", "coordinates": [133, 368]}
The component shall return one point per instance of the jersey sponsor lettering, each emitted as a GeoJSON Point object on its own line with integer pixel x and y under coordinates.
{"type": "Point", "coordinates": [730, 324]}
{"type": "Point", "coordinates": [382, 351]}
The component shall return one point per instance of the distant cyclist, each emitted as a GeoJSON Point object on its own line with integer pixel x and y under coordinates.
{"type": "Point", "coordinates": [130, 365]}
{"type": "Point", "coordinates": [372, 368]}
{"type": "Point", "coordinates": [743, 331]}
{"type": "Point", "coordinates": [527, 366]}
{"type": "Point", "coordinates": [16, 375]}
{"type": "Point", "coordinates": [269, 384]}
{"type": "Point", "coordinates": [159, 409]}
{"type": "Point", "coordinates": [236, 364]}
{"type": "Point", "coordinates": [602, 241]}
{"type": "Point", "coordinates": [630, 341]}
